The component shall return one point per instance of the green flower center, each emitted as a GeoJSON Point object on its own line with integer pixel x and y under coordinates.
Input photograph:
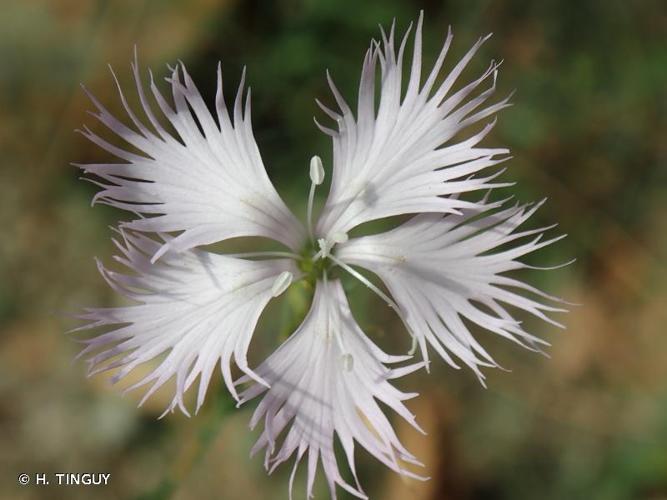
{"type": "Point", "coordinates": [314, 269]}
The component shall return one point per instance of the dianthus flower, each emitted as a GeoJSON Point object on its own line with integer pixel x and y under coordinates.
{"type": "Point", "coordinates": [414, 149]}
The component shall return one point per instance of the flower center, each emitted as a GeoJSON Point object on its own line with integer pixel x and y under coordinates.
{"type": "Point", "coordinates": [317, 262]}
{"type": "Point", "coordinates": [313, 268]}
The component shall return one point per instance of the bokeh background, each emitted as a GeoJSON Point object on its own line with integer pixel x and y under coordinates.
{"type": "Point", "coordinates": [588, 130]}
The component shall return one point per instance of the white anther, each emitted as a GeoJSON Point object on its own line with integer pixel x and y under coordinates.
{"type": "Point", "coordinates": [339, 237]}
{"type": "Point", "coordinates": [413, 347]}
{"type": "Point", "coordinates": [348, 362]}
{"type": "Point", "coordinates": [316, 178]}
{"type": "Point", "coordinates": [281, 283]}
{"type": "Point", "coordinates": [316, 170]}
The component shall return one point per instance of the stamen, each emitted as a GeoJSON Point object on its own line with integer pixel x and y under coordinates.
{"type": "Point", "coordinates": [366, 282]}
{"type": "Point", "coordinates": [287, 255]}
{"type": "Point", "coordinates": [281, 283]}
{"type": "Point", "coordinates": [413, 347]}
{"type": "Point", "coordinates": [347, 360]}
{"type": "Point", "coordinates": [380, 294]}
{"type": "Point", "coordinates": [316, 170]}
{"type": "Point", "coordinates": [316, 178]}
{"type": "Point", "coordinates": [339, 237]}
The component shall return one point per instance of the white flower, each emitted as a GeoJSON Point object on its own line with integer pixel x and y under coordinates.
{"type": "Point", "coordinates": [444, 269]}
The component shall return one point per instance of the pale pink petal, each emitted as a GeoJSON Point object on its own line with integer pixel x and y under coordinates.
{"type": "Point", "coordinates": [325, 382]}
{"type": "Point", "coordinates": [446, 272]}
{"type": "Point", "coordinates": [204, 178]}
{"type": "Point", "coordinates": [402, 157]}
{"type": "Point", "coordinates": [193, 311]}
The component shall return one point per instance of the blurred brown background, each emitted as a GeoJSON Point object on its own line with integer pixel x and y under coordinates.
{"type": "Point", "coordinates": [588, 130]}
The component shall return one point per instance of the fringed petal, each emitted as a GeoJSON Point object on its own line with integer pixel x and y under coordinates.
{"type": "Point", "coordinates": [402, 158]}
{"type": "Point", "coordinates": [445, 272]}
{"type": "Point", "coordinates": [193, 311]}
{"type": "Point", "coordinates": [326, 381]}
{"type": "Point", "coordinates": [204, 179]}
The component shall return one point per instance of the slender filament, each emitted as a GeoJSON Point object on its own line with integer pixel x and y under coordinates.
{"type": "Point", "coordinates": [285, 255]}
{"type": "Point", "coordinates": [309, 213]}
{"type": "Point", "coordinates": [379, 292]}
{"type": "Point", "coordinates": [346, 358]}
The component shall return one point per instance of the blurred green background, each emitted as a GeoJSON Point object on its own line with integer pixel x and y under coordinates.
{"type": "Point", "coordinates": [588, 130]}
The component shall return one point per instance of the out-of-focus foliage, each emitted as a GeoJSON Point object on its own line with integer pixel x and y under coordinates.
{"type": "Point", "coordinates": [587, 129]}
